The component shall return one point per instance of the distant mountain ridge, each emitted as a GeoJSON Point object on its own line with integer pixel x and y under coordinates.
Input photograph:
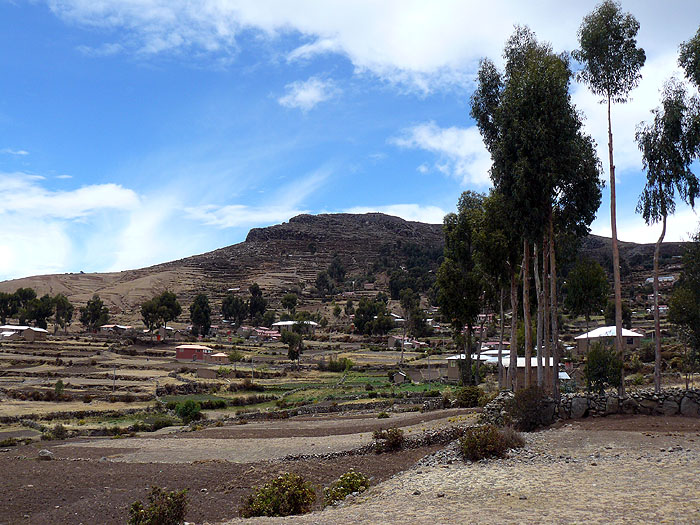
{"type": "Point", "coordinates": [283, 257]}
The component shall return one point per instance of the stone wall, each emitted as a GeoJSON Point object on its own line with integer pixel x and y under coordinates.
{"type": "Point", "coordinates": [669, 402]}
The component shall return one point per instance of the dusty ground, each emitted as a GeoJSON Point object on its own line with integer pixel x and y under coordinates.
{"type": "Point", "coordinates": [613, 470]}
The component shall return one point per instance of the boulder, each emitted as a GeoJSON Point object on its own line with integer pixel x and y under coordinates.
{"type": "Point", "coordinates": [669, 407]}
{"type": "Point", "coordinates": [579, 407]}
{"type": "Point", "coordinates": [612, 406]}
{"type": "Point", "coordinates": [46, 455]}
{"type": "Point", "coordinates": [648, 406]}
{"type": "Point", "coordinates": [689, 407]}
{"type": "Point", "coordinates": [629, 406]}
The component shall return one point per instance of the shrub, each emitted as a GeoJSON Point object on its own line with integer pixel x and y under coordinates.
{"type": "Point", "coordinates": [432, 393]}
{"type": "Point", "coordinates": [468, 396]}
{"type": "Point", "coordinates": [9, 442]}
{"type": "Point", "coordinates": [347, 484]}
{"type": "Point", "coordinates": [287, 495]}
{"type": "Point", "coordinates": [388, 440]}
{"type": "Point", "coordinates": [382, 415]}
{"type": "Point", "coordinates": [488, 441]}
{"type": "Point", "coordinates": [58, 388]}
{"type": "Point", "coordinates": [188, 411]}
{"type": "Point", "coordinates": [638, 379]}
{"type": "Point", "coordinates": [164, 508]}
{"type": "Point", "coordinates": [529, 409]}
{"type": "Point", "coordinates": [336, 365]}
{"type": "Point", "coordinates": [603, 367]}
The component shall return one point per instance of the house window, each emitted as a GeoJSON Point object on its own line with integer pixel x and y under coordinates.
{"type": "Point", "coordinates": [630, 341]}
{"type": "Point", "coordinates": [452, 363]}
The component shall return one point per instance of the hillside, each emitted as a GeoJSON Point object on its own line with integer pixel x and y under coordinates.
{"type": "Point", "coordinates": [290, 256]}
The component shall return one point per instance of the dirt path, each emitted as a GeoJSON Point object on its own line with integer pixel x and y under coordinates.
{"type": "Point", "coordinates": [644, 471]}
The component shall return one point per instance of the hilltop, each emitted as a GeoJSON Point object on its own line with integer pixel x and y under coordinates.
{"type": "Point", "coordinates": [290, 255]}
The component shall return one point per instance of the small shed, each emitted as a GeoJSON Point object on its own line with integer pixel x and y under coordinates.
{"type": "Point", "coordinates": [399, 378]}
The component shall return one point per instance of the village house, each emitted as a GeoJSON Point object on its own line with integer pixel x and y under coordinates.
{"type": "Point", "coordinates": [606, 335]}
{"type": "Point", "coordinates": [28, 333]}
{"type": "Point", "coordinates": [521, 368]}
{"type": "Point", "coordinates": [191, 352]}
{"type": "Point", "coordinates": [664, 280]}
{"type": "Point", "coordinates": [305, 327]}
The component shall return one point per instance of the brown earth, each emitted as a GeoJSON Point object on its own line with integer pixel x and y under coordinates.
{"type": "Point", "coordinates": [289, 256]}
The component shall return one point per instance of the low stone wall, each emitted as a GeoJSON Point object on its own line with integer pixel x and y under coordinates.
{"type": "Point", "coordinates": [669, 402]}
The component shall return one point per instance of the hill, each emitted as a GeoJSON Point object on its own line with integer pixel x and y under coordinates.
{"type": "Point", "coordinates": [290, 255]}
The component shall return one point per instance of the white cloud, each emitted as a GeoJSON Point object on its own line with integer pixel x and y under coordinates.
{"type": "Point", "coordinates": [461, 152]}
{"type": "Point", "coordinates": [308, 93]}
{"type": "Point", "coordinates": [631, 228]}
{"type": "Point", "coordinates": [64, 176]}
{"type": "Point", "coordinates": [10, 151]}
{"type": "Point", "coordinates": [23, 195]}
{"type": "Point", "coordinates": [409, 212]}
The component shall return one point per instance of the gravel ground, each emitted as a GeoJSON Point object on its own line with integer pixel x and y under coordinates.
{"type": "Point", "coordinates": [615, 471]}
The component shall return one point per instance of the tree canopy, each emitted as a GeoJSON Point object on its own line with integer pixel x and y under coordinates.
{"type": "Point", "coordinates": [200, 315]}
{"type": "Point", "coordinates": [94, 314]}
{"type": "Point", "coordinates": [587, 288]}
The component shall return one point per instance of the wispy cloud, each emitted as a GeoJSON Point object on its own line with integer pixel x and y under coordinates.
{"type": "Point", "coordinates": [409, 212]}
{"type": "Point", "coordinates": [306, 94]}
{"type": "Point", "coordinates": [64, 176]}
{"type": "Point", "coordinates": [10, 151]}
{"type": "Point", "coordinates": [102, 50]}
{"type": "Point", "coordinates": [460, 151]}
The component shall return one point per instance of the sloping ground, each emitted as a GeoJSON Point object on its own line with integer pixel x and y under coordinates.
{"type": "Point", "coordinates": [289, 256]}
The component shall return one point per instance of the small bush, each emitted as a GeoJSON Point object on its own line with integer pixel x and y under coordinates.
{"type": "Point", "coordinates": [164, 508]}
{"type": "Point", "coordinates": [383, 415]}
{"type": "Point", "coordinates": [529, 409]}
{"type": "Point", "coordinates": [603, 367]}
{"type": "Point", "coordinates": [287, 495]}
{"type": "Point", "coordinates": [488, 441]}
{"type": "Point", "coordinates": [347, 484]}
{"type": "Point", "coordinates": [9, 442]}
{"type": "Point", "coordinates": [638, 379]}
{"type": "Point", "coordinates": [432, 393]}
{"type": "Point", "coordinates": [388, 440]}
{"type": "Point", "coordinates": [188, 411]}
{"type": "Point", "coordinates": [468, 396]}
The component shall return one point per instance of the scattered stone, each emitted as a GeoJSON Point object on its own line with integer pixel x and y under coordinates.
{"type": "Point", "coordinates": [45, 454]}
{"type": "Point", "coordinates": [440, 494]}
{"type": "Point", "coordinates": [416, 492]}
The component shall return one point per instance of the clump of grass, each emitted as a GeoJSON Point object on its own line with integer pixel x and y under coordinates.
{"type": "Point", "coordinates": [489, 441]}
{"type": "Point", "coordinates": [347, 484]}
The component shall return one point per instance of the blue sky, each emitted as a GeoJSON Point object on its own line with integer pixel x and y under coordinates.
{"type": "Point", "coordinates": [134, 132]}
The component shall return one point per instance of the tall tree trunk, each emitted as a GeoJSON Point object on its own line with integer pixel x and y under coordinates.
{"type": "Point", "coordinates": [527, 318]}
{"type": "Point", "coordinates": [547, 316]}
{"type": "Point", "coordinates": [657, 321]}
{"type": "Point", "coordinates": [616, 256]}
{"type": "Point", "coordinates": [555, 321]}
{"type": "Point", "coordinates": [500, 344]}
{"type": "Point", "coordinates": [513, 362]}
{"type": "Point", "coordinates": [538, 291]}
{"type": "Point", "coordinates": [477, 376]}
{"type": "Point", "coordinates": [470, 335]}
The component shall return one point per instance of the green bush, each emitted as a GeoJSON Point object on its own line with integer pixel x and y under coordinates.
{"type": "Point", "coordinates": [488, 441]}
{"type": "Point", "coordinates": [388, 440]}
{"type": "Point", "coordinates": [603, 367]}
{"type": "Point", "coordinates": [468, 396]}
{"type": "Point", "coordinates": [188, 411]}
{"type": "Point", "coordinates": [347, 484]}
{"type": "Point", "coordinates": [9, 442]}
{"type": "Point", "coordinates": [164, 508]}
{"type": "Point", "coordinates": [57, 432]}
{"type": "Point", "coordinates": [530, 409]}
{"type": "Point", "coordinates": [383, 415]}
{"type": "Point", "coordinates": [287, 495]}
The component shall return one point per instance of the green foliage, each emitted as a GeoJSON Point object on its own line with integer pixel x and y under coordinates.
{"type": "Point", "coordinates": [324, 284]}
{"type": "Point", "coordinates": [289, 301]}
{"type": "Point", "coordinates": [287, 495]}
{"type": "Point", "coordinates": [468, 396]}
{"type": "Point", "coordinates": [365, 321]}
{"type": "Point", "coordinates": [609, 53]}
{"type": "Point", "coordinates": [257, 304]}
{"type": "Point", "coordinates": [587, 288]}
{"type": "Point", "coordinates": [188, 411]}
{"type": "Point", "coordinates": [488, 441]}
{"type": "Point", "coordinates": [383, 415]}
{"type": "Point", "coordinates": [63, 311]}
{"type": "Point", "coordinates": [295, 343]}
{"type": "Point", "coordinates": [689, 59]}
{"type": "Point", "coordinates": [347, 484]}
{"type": "Point", "coordinates": [200, 315]}
{"type": "Point", "coordinates": [529, 409]}
{"type": "Point", "coordinates": [349, 307]}
{"type": "Point", "coordinates": [388, 440]}
{"type": "Point", "coordinates": [336, 365]}
{"type": "Point", "coordinates": [603, 367]}
{"type": "Point", "coordinates": [160, 310]}
{"type": "Point", "coordinates": [59, 387]}
{"type": "Point", "coordinates": [94, 314]}
{"type": "Point", "coordinates": [234, 309]}
{"type": "Point", "coordinates": [9, 304]}
{"type": "Point", "coordinates": [337, 310]}
{"type": "Point", "coordinates": [626, 315]}
{"type": "Point", "coordinates": [235, 357]}
{"type": "Point", "coordinates": [336, 270]}
{"type": "Point", "coordinates": [164, 508]}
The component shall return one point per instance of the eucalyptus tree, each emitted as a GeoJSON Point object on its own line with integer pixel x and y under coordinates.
{"type": "Point", "coordinates": [458, 279]}
{"type": "Point", "coordinates": [542, 162]}
{"type": "Point", "coordinates": [498, 255]}
{"type": "Point", "coordinates": [586, 289]}
{"type": "Point", "coordinates": [668, 147]}
{"type": "Point", "coordinates": [611, 68]}
{"type": "Point", "coordinates": [689, 58]}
